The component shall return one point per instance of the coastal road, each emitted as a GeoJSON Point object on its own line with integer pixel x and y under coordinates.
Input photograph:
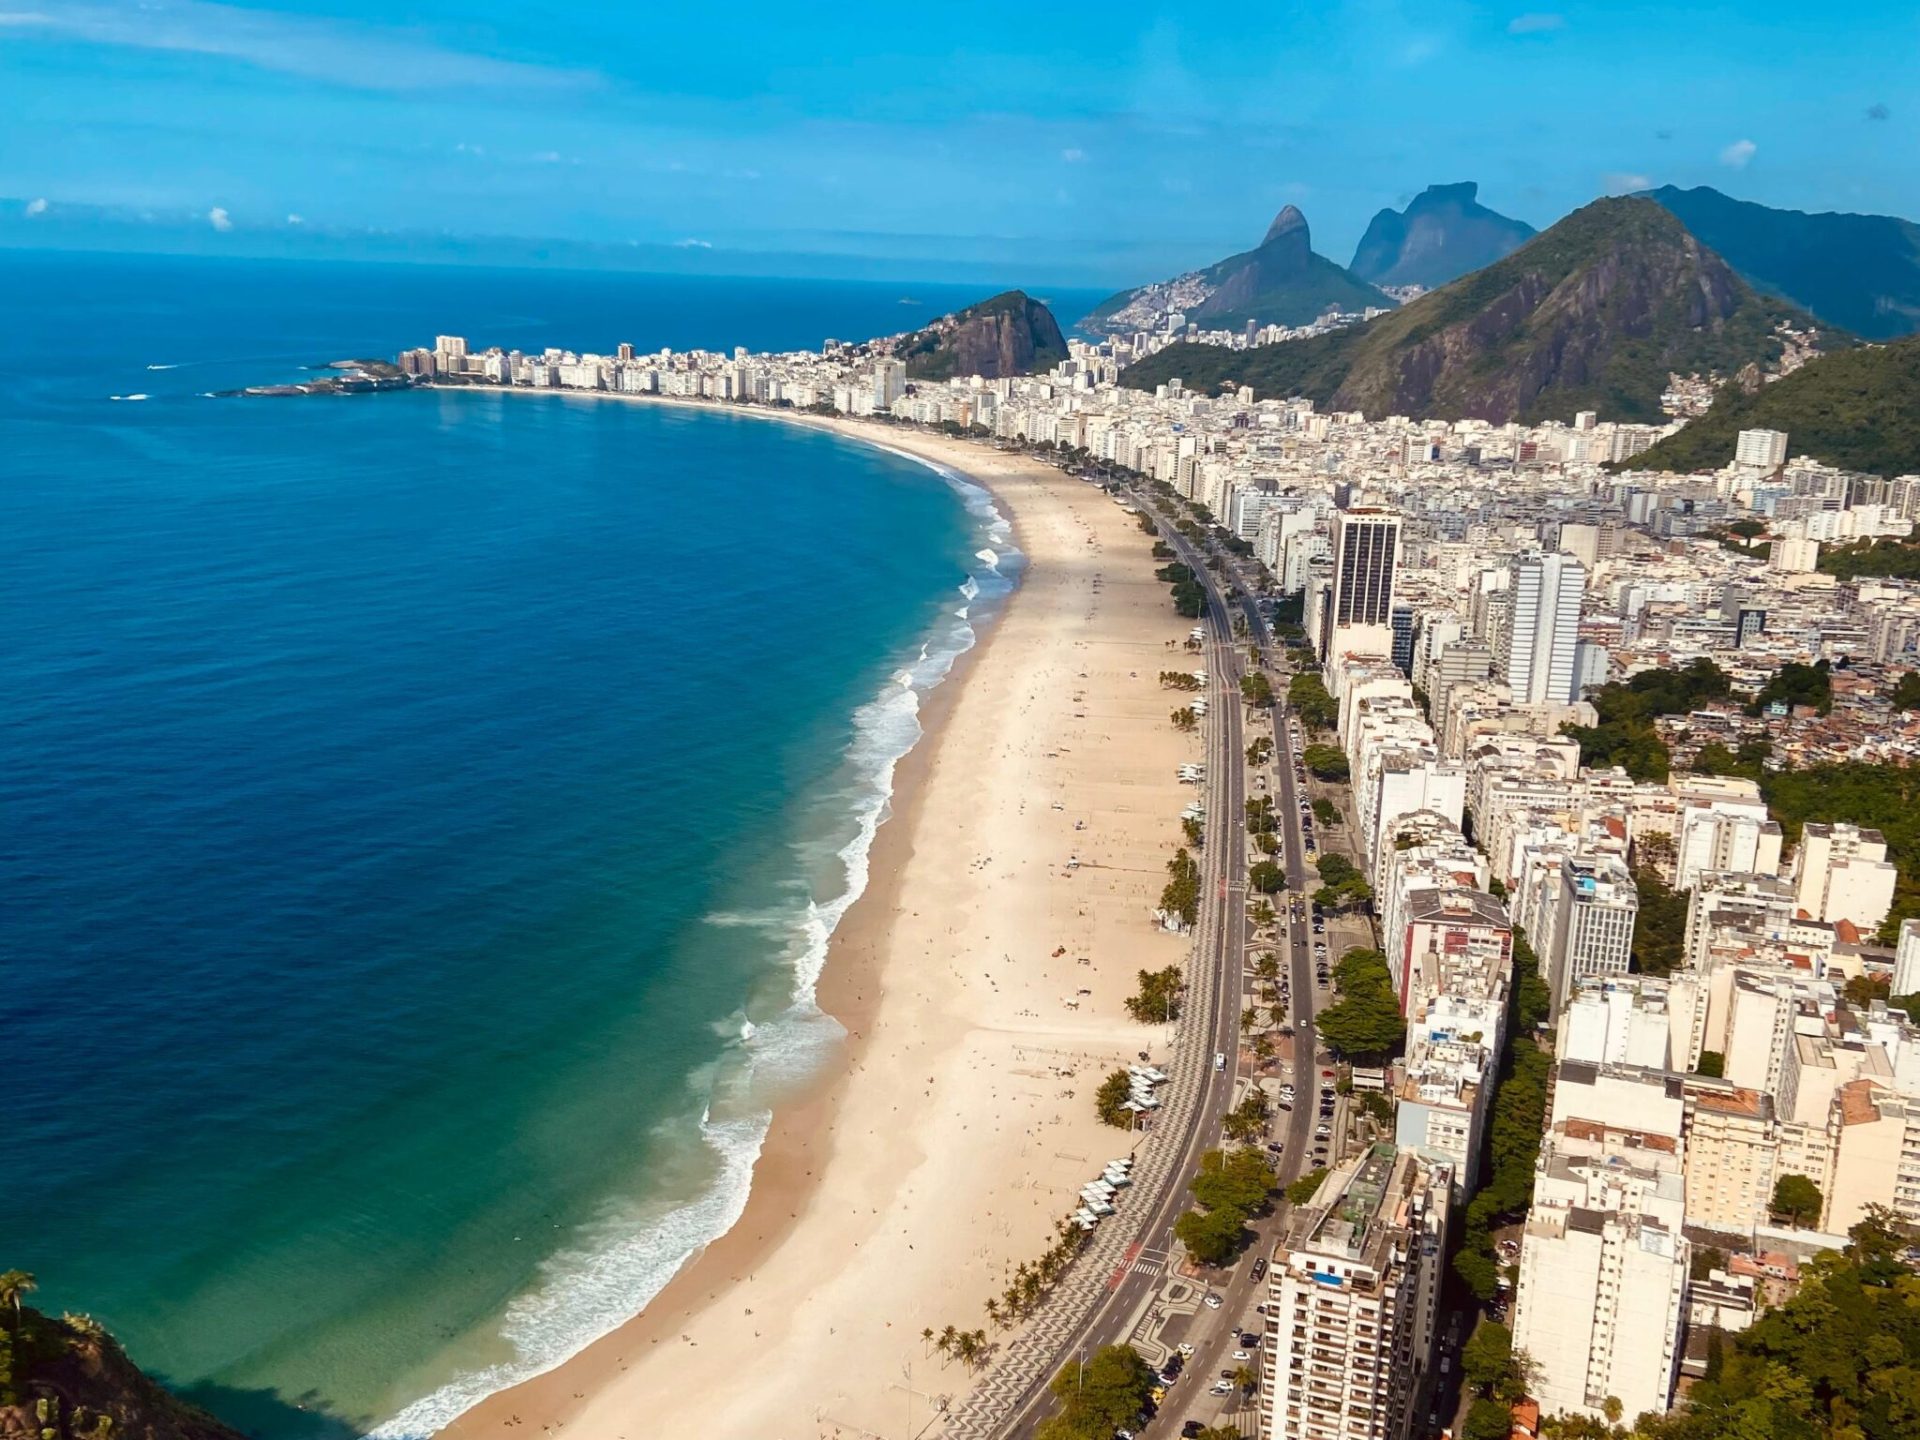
{"type": "Point", "coordinates": [1214, 1333]}
{"type": "Point", "coordinates": [1213, 997]}
{"type": "Point", "coordinates": [1223, 952]}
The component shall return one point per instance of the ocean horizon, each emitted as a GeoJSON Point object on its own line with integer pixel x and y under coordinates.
{"type": "Point", "coordinates": [427, 812]}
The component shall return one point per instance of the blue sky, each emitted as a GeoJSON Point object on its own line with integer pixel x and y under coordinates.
{"type": "Point", "coordinates": [1078, 143]}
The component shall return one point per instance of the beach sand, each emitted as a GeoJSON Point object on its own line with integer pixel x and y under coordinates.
{"type": "Point", "coordinates": [981, 981]}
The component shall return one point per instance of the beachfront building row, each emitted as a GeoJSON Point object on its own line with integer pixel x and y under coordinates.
{"type": "Point", "coordinates": [1353, 1301]}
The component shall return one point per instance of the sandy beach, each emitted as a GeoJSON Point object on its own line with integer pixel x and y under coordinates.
{"type": "Point", "coordinates": [981, 980]}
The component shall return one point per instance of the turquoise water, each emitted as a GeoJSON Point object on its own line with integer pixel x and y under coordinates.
{"type": "Point", "coordinates": [423, 813]}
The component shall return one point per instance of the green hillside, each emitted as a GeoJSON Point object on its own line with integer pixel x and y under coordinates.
{"type": "Point", "coordinates": [1592, 314]}
{"type": "Point", "coordinates": [1857, 408]}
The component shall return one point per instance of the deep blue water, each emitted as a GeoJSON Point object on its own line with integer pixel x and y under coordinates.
{"type": "Point", "coordinates": [407, 802]}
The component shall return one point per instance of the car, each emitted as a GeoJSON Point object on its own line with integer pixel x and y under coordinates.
{"type": "Point", "coordinates": [1219, 1061]}
{"type": "Point", "coordinates": [1221, 1387]}
{"type": "Point", "coordinates": [1213, 1301]}
{"type": "Point", "coordinates": [1259, 1270]}
{"type": "Point", "coordinates": [1191, 1429]}
{"type": "Point", "coordinates": [1274, 1148]}
{"type": "Point", "coordinates": [1183, 1350]}
{"type": "Point", "coordinates": [1322, 1132]}
{"type": "Point", "coordinates": [1249, 1339]}
{"type": "Point", "coordinates": [1227, 1375]}
{"type": "Point", "coordinates": [1242, 1356]}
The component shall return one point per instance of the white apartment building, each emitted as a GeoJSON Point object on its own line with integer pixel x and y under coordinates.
{"type": "Point", "coordinates": [1352, 1299]}
{"type": "Point", "coordinates": [1764, 449]}
{"type": "Point", "coordinates": [1842, 873]}
{"type": "Point", "coordinates": [1534, 653]}
{"type": "Point", "coordinates": [1593, 929]}
{"type": "Point", "coordinates": [1598, 1308]}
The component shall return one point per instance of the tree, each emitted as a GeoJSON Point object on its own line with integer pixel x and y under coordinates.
{"type": "Point", "coordinates": [1794, 684]}
{"type": "Point", "coordinates": [1488, 1420]}
{"type": "Point", "coordinates": [1256, 690]}
{"type": "Point", "coordinates": [1365, 1021]}
{"type": "Point", "coordinates": [1797, 1200]}
{"type": "Point", "coordinates": [15, 1286]}
{"type": "Point", "coordinates": [1099, 1395]}
{"type": "Point", "coordinates": [1311, 702]}
{"type": "Point", "coordinates": [1906, 691]}
{"type": "Point", "coordinates": [1247, 1121]}
{"type": "Point", "coordinates": [1327, 762]}
{"type": "Point", "coordinates": [1211, 1236]}
{"type": "Point", "coordinates": [1181, 897]}
{"type": "Point", "coordinates": [1487, 1357]}
{"type": "Point", "coordinates": [1660, 928]}
{"type": "Point", "coordinates": [1109, 1101]}
{"type": "Point", "coordinates": [1158, 999]}
{"type": "Point", "coordinates": [1325, 812]}
{"type": "Point", "coordinates": [1266, 877]}
{"type": "Point", "coordinates": [1712, 1064]}
{"type": "Point", "coordinates": [1302, 1191]}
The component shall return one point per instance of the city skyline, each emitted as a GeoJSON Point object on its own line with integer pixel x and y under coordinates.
{"type": "Point", "coordinates": [1023, 144]}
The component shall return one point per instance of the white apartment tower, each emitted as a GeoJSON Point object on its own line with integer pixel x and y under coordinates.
{"type": "Point", "coordinates": [1536, 645]}
{"type": "Point", "coordinates": [1593, 935]}
{"type": "Point", "coordinates": [1764, 449]}
{"type": "Point", "coordinates": [1353, 1295]}
{"type": "Point", "coordinates": [1599, 1307]}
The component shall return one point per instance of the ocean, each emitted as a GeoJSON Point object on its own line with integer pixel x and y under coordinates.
{"type": "Point", "coordinates": [422, 815]}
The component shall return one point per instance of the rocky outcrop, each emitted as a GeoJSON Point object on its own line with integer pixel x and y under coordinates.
{"type": "Point", "coordinates": [69, 1380]}
{"type": "Point", "coordinates": [1593, 314]}
{"type": "Point", "coordinates": [1443, 233]}
{"type": "Point", "coordinates": [1279, 282]}
{"type": "Point", "coordinates": [1010, 334]}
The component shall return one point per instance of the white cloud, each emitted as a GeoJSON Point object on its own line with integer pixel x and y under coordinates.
{"type": "Point", "coordinates": [219, 219]}
{"type": "Point", "coordinates": [1073, 155]}
{"type": "Point", "coordinates": [548, 157]}
{"type": "Point", "coordinates": [361, 57]}
{"type": "Point", "coordinates": [37, 206]}
{"type": "Point", "coordinates": [1536, 23]}
{"type": "Point", "coordinates": [1625, 182]}
{"type": "Point", "coordinates": [1736, 155]}
{"type": "Point", "coordinates": [296, 219]}
{"type": "Point", "coordinates": [693, 244]}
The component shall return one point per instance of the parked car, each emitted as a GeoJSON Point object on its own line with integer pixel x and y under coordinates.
{"type": "Point", "coordinates": [1213, 1301]}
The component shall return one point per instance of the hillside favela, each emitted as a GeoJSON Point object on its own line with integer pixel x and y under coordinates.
{"type": "Point", "coordinates": [708, 740]}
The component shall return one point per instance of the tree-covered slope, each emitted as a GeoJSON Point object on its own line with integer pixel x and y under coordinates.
{"type": "Point", "coordinates": [1857, 408]}
{"type": "Point", "coordinates": [1859, 272]}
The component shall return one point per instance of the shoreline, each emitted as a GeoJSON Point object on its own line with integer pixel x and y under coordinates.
{"type": "Point", "coordinates": [915, 1039]}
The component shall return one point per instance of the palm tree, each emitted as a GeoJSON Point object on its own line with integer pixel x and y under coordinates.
{"type": "Point", "coordinates": [926, 1336]}
{"type": "Point", "coordinates": [947, 1338]}
{"type": "Point", "coordinates": [993, 1312]}
{"type": "Point", "coordinates": [15, 1284]}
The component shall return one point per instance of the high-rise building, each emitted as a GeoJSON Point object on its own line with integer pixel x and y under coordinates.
{"type": "Point", "coordinates": [1593, 932]}
{"type": "Point", "coordinates": [1536, 650]}
{"type": "Point", "coordinates": [1906, 960]}
{"type": "Point", "coordinates": [1353, 1295]}
{"type": "Point", "coordinates": [1359, 617]}
{"type": "Point", "coordinates": [1598, 1308]}
{"type": "Point", "coordinates": [1765, 449]}
{"type": "Point", "coordinates": [889, 382]}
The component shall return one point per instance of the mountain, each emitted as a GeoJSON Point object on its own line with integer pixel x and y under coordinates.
{"type": "Point", "coordinates": [68, 1380]}
{"type": "Point", "coordinates": [1443, 234]}
{"type": "Point", "coordinates": [1859, 409]}
{"type": "Point", "coordinates": [1009, 334]}
{"type": "Point", "coordinates": [1278, 282]}
{"type": "Point", "coordinates": [1859, 272]}
{"type": "Point", "coordinates": [1590, 315]}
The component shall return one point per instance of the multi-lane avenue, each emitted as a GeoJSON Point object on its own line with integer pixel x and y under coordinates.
{"type": "Point", "coordinates": [1222, 955]}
